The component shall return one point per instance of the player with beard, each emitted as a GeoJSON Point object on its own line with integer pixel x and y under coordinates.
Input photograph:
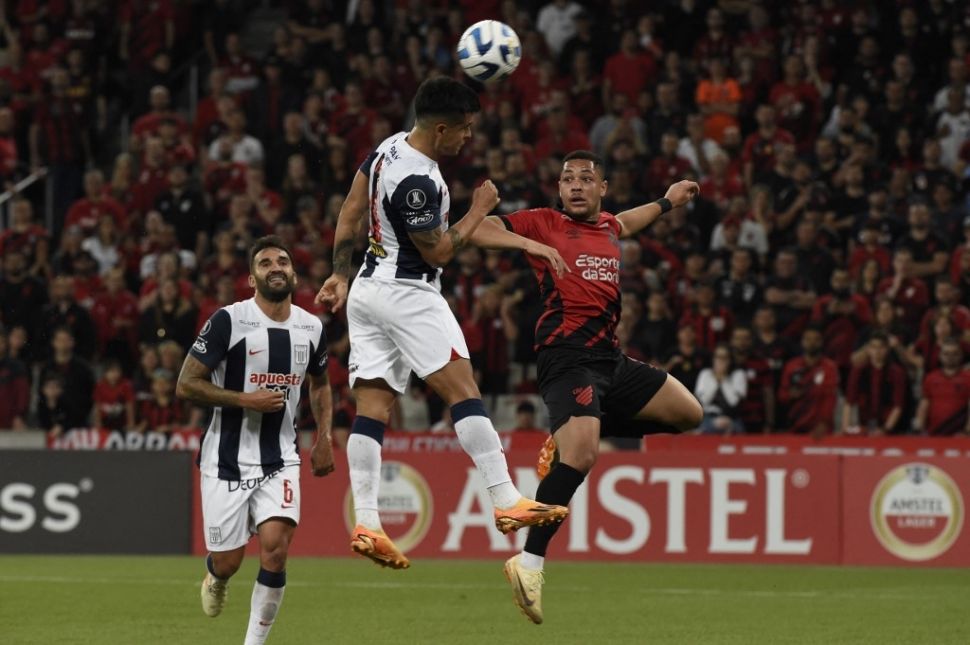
{"type": "Point", "coordinates": [589, 386]}
{"type": "Point", "coordinates": [248, 363]}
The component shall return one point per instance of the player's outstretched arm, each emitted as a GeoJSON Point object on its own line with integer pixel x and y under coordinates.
{"type": "Point", "coordinates": [334, 291]}
{"type": "Point", "coordinates": [321, 404]}
{"type": "Point", "coordinates": [194, 385]}
{"type": "Point", "coordinates": [636, 219]}
{"type": "Point", "coordinates": [438, 247]}
{"type": "Point", "coordinates": [493, 235]}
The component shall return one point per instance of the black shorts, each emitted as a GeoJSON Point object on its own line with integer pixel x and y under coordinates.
{"type": "Point", "coordinates": [580, 383]}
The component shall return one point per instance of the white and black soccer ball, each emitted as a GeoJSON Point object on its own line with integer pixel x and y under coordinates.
{"type": "Point", "coordinates": [489, 50]}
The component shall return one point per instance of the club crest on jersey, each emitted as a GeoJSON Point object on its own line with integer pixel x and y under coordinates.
{"type": "Point", "coordinates": [301, 353]}
{"type": "Point", "coordinates": [416, 199]}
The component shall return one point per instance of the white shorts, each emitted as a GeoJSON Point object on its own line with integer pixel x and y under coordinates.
{"type": "Point", "coordinates": [232, 510]}
{"type": "Point", "coordinates": [397, 326]}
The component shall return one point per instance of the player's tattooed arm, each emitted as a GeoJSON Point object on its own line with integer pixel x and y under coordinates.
{"type": "Point", "coordinates": [349, 220]}
{"type": "Point", "coordinates": [321, 404]}
{"type": "Point", "coordinates": [437, 247]}
{"type": "Point", "coordinates": [195, 385]}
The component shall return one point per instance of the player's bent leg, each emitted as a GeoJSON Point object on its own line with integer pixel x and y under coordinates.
{"type": "Point", "coordinates": [456, 385]}
{"type": "Point", "coordinates": [578, 444]}
{"type": "Point", "coordinates": [673, 405]}
{"type": "Point", "coordinates": [220, 566]}
{"type": "Point", "coordinates": [275, 537]}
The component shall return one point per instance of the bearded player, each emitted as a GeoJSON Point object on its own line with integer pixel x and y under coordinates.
{"type": "Point", "coordinates": [248, 364]}
{"type": "Point", "coordinates": [589, 386]}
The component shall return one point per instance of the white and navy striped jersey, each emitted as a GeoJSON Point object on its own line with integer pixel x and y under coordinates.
{"type": "Point", "coordinates": [407, 193]}
{"type": "Point", "coordinates": [246, 351]}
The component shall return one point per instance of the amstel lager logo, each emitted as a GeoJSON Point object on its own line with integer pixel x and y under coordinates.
{"type": "Point", "coordinates": [917, 512]}
{"type": "Point", "coordinates": [405, 505]}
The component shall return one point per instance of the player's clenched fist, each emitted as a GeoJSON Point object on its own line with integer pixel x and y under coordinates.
{"type": "Point", "coordinates": [682, 192]}
{"type": "Point", "coordinates": [485, 197]}
{"type": "Point", "coordinates": [262, 400]}
{"type": "Point", "coordinates": [321, 457]}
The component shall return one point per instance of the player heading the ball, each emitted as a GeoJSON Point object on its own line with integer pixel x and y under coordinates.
{"type": "Point", "coordinates": [397, 318]}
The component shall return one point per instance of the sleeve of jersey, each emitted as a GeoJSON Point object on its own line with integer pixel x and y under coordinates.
{"type": "Point", "coordinates": [530, 223]}
{"type": "Point", "coordinates": [416, 201]}
{"type": "Point", "coordinates": [320, 358]}
{"type": "Point", "coordinates": [213, 341]}
{"type": "Point", "coordinates": [368, 162]}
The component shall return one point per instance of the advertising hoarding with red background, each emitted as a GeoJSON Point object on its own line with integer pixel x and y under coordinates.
{"type": "Point", "coordinates": [666, 507]}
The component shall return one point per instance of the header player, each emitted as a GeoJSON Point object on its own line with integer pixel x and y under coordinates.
{"type": "Point", "coordinates": [248, 364]}
{"type": "Point", "coordinates": [589, 386]}
{"type": "Point", "coordinates": [398, 320]}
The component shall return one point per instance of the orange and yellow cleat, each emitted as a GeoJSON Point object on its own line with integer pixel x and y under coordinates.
{"type": "Point", "coordinates": [378, 547]}
{"type": "Point", "coordinates": [528, 513]}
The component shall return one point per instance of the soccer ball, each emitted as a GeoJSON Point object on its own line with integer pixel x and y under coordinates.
{"type": "Point", "coordinates": [489, 50]}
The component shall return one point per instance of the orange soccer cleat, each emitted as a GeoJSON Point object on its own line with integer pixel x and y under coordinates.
{"type": "Point", "coordinates": [378, 547]}
{"type": "Point", "coordinates": [528, 512]}
{"type": "Point", "coordinates": [548, 457]}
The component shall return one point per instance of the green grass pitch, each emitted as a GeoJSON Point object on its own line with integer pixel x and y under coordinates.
{"type": "Point", "coordinates": [140, 600]}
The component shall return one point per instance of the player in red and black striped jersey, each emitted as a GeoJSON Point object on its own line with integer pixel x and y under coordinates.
{"type": "Point", "coordinates": [589, 386]}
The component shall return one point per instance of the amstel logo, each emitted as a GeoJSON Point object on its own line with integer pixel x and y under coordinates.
{"type": "Point", "coordinates": [405, 505]}
{"type": "Point", "coordinates": [917, 512]}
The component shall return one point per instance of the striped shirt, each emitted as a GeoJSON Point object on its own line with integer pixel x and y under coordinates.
{"type": "Point", "coordinates": [407, 194]}
{"type": "Point", "coordinates": [247, 351]}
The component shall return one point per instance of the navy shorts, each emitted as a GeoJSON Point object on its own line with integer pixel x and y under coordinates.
{"type": "Point", "coordinates": [581, 383]}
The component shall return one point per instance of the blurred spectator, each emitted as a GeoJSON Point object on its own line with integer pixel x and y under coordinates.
{"type": "Point", "coordinates": [85, 212]}
{"type": "Point", "coordinates": [184, 208]}
{"type": "Point", "coordinates": [761, 145]}
{"type": "Point", "coordinates": [162, 412]}
{"type": "Point", "coordinates": [64, 312]}
{"type": "Point", "coordinates": [149, 124]}
{"type": "Point", "coordinates": [943, 407]}
{"type": "Point", "coordinates": [666, 167]}
{"type": "Point", "coordinates": [222, 18]}
{"type": "Point", "coordinates": [488, 332]}
{"type": "Point", "coordinates": [797, 102]}
{"type": "Point", "coordinates": [720, 390]}
{"type": "Point", "coordinates": [557, 23]}
{"type": "Point", "coordinates": [105, 244]}
{"type": "Point", "coordinates": [907, 292]}
{"type": "Point", "coordinates": [718, 98]}
{"type": "Point", "coordinates": [810, 387]}
{"type": "Point", "coordinates": [293, 141]}
{"type": "Point", "coordinates": [270, 100]}
{"type": "Point", "coordinates": [666, 116]}
{"type": "Point", "coordinates": [115, 315]}
{"type": "Point", "coordinates": [840, 315]}
{"type": "Point", "coordinates": [739, 290]}
{"type": "Point", "coordinates": [621, 121]}
{"type": "Point", "coordinates": [22, 298]}
{"type": "Point", "coordinates": [629, 71]}
{"type": "Point", "coordinates": [929, 250]}
{"type": "Point", "coordinates": [114, 400]}
{"type": "Point", "coordinates": [171, 317]}
{"type": "Point", "coordinates": [876, 392]}
{"type": "Point", "coordinates": [235, 144]}
{"type": "Point", "coordinates": [953, 126]}
{"type": "Point", "coordinates": [14, 389]}
{"type": "Point", "coordinates": [27, 238]}
{"type": "Point", "coordinates": [53, 414]}
{"type": "Point", "coordinates": [946, 294]}
{"type": "Point", "coordinates": [66, 367]}
{"type": "Point", "coordinates": [525, 418]}
{"type": "Point", "coordinates": [656, 331]}
{"type": "Point", "coordinates": [685, 361]}
{"type": "Point", "coordinates": [791, 295]}
{"type": "Point", "coordinates": [59, 141]}
{"type": "Point", "coordinates": [756, 411]}
{"type": "Point", "coordinates": [145, 29]}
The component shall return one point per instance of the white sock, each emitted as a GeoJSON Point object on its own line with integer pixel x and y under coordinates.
{"type": "Point", "coordinates": [263, 609]}
{"type": "Point", "coordinates": [479, 439]}
{"type": "Point", "coordinates": [364, 461]}
{"type": "Point", "coordinates": [531, 561]}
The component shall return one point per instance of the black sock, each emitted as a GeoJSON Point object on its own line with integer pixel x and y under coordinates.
{"type": "Point", "coordinates": [558, 487]}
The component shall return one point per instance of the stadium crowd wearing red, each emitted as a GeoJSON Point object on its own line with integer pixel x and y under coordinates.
{"type": "Point", "coordinates": [831, 141]}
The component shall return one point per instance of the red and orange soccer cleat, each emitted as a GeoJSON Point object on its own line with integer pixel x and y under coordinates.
{"type": "Point", "coordinates": [378, 547]}
{"type": "Point", "coordinates": [528, 512]}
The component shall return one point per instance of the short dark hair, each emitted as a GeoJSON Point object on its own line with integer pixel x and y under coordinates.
{"type": "Point", "coordinates": [588, 155]}
{"type": "Point", "coordinates": [445, 98]}
{"type": "Point", "coordinates": [267, 242]}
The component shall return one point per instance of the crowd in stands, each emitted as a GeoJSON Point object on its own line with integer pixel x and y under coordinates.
{"type": "Point", "coordinates": [819, 284]}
